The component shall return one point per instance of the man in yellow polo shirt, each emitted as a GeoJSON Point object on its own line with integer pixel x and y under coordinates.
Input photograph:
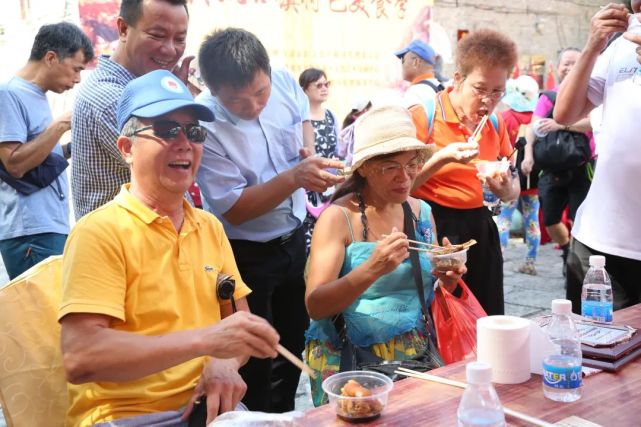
{"type": "Point", "coordinates": [144, 334]}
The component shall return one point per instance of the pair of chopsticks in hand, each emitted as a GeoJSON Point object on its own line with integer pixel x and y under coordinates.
{"type": "Point", "coordinates": [225, 290]}
{"type": "Point", "coordinates": [440, 250]}
{"type": "Point", "coordinates": [479, 128]}
{"type": "Point", "coordinates": [436, 249]}
{"type": "Point", "coordinates": [435, 378]}
{"type": "Point", "coordinates": [477, 133]}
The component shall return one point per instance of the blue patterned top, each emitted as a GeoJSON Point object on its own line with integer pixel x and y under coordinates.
{"type": "Point", "coordinates": [390, 306]}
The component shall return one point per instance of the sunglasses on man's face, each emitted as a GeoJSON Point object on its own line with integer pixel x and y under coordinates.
{"type": "Point", "coordinates": [170, 129]}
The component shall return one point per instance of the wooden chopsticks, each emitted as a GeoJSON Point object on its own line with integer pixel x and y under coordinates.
{"type": "Point", "coordinates": [436, 249]}
{"type": "Point", "coordinates": [296, 361]}
{"type": "Point", "coordinates": [416, 242]}
{"type": "Point", "coordinates": [479, 128]}
{"type": "Point", "coordinates": [460, 384]}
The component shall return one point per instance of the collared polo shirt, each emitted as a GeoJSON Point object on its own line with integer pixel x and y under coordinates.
{"type": "Point", "coordinates": [98, 169]}
{"type": "Point", "coordinates": [418, 92]}
{"type": "Point", "coordinates": [455, 185]}
{"type": "Point", "coordinates": [25, 115]}
{"type": "Point", "coordinates": [242, 153]}
{"type": "Point", "coordinates": [125, 261]}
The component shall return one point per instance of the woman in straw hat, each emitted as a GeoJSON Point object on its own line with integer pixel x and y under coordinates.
{"type": "Point", "coordinates": [359, 262]}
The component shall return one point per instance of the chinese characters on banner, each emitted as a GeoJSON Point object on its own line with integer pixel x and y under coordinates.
{"type": "Point", "coordinates": [352, 40]}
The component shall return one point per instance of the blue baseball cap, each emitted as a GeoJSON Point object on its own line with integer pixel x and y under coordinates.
{"type": "Point", "coordinates": [420, 48]}
{"type": "Point", "coordinates": [154, 94]}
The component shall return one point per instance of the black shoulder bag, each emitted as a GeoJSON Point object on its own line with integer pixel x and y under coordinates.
{"type": "Point", "coordinates": [355, 358]}
{"type": "Point", "coordinates": [561, 150]}
{"type": "Point", "coordinates": [39, 177]}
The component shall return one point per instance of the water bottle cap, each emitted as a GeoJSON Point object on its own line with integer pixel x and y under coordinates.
{"type": "Point", "coordinates": [597, 261]}
{"type": "Point", "coordinates": [561, 306]}
{"type": "Point", "coordinates": [478, 372]}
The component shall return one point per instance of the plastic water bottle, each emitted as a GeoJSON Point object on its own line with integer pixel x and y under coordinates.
{"type": "Point", "coordinates": [480, 405]}
{"type": "Point", "coordinates": [562, 368]}
{"type": "Point", "coordinates": [596, 296]}
{"type": "Point", "coordinates": [536, 127]}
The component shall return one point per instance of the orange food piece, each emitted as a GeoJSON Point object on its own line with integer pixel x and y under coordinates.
{"type": "Point", "coordinates": [358, 408]}
{"type": "Point", "coordinates": [353, 389]}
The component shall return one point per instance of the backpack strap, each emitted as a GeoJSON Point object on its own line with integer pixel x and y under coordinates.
{"type": "Point", "coordinates": [551, 95]}
{"type": "Point", "coordinates": [435, 88]}
{"type": "Point", "coordinates": [495, 122]}
{"type": "Point", "coordinates": [430, 109]}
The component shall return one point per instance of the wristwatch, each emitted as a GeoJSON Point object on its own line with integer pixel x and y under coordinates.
{"type": "Point", "coordinates": [66, 150]}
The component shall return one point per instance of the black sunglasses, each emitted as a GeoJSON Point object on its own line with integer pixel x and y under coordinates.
{"type": "Point", "coordinates": [169, 129]}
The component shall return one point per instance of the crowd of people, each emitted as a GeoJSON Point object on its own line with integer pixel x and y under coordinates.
{"type": "Point", "coordinates": [309, 216]}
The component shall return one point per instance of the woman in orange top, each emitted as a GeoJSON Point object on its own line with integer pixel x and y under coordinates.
{"type": "Point", "coordinates": [484, 61]}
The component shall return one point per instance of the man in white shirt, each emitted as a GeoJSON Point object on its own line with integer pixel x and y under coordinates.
{"type": "Point", "coordinates": [607, 221]}
{"type": "Point", "coordinates": [417, 62]}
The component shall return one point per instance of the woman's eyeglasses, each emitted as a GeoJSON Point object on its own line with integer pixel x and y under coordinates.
{"type": "Point", "coordinates": [482, 93]}
{"type": "Point", "coordinates": [170, 129]}
{"type": "Point", "coordinates": [394, 168]}
{"type": "Point", "coordinates": [320, 85]}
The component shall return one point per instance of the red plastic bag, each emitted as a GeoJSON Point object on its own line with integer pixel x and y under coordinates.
{"type": "Point", "coordinates": [455, 323]}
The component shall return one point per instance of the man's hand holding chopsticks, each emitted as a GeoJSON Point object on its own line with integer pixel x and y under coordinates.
{"type": "Point", "coordinates": [240, 334]}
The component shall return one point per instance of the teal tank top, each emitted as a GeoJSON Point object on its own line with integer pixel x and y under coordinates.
{"type": "Point", "coordinates": [390, 306]}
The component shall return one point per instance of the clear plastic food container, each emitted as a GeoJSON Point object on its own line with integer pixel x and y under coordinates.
{"type": "Point", "coordinates": [447, 262]}
{"type": "Point", "coordinates": [348, 394]}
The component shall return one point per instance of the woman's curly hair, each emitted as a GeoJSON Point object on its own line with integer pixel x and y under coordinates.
{"type": "Point", "coordinates": [485, 48]}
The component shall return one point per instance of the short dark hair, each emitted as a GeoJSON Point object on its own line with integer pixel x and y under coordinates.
{"type": "Point", "coordinates": [309, 76]}
{"type": "Point", "coordinates": [232, 57]}
{"type": "Point", "coordinates": [64, 39]}
{"type": "Point", "coordinates": [131, 10]}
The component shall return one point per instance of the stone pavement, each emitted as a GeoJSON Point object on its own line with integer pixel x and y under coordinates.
{"type": "Point", "coordinates": [528, 296]}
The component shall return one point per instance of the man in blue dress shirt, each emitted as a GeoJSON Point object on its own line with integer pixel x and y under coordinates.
{"type": "Point", "coordinates": [253, 177]}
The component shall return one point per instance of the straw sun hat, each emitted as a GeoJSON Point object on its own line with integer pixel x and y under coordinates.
{"type": "Point", "coordinates": [384, 130]}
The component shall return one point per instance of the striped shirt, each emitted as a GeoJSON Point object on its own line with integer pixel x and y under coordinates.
{"type": "Point", "coordinates": [98, 169]}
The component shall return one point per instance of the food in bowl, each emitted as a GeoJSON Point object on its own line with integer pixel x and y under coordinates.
{"type": "Point", "coordinates": [448, 261]}
{"type": "Point", "coordinates": [358, 396]}
{"type": "Point", "coordinates": [487, 169]}
{"type": "Point", "coordinates": [358, 408]}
